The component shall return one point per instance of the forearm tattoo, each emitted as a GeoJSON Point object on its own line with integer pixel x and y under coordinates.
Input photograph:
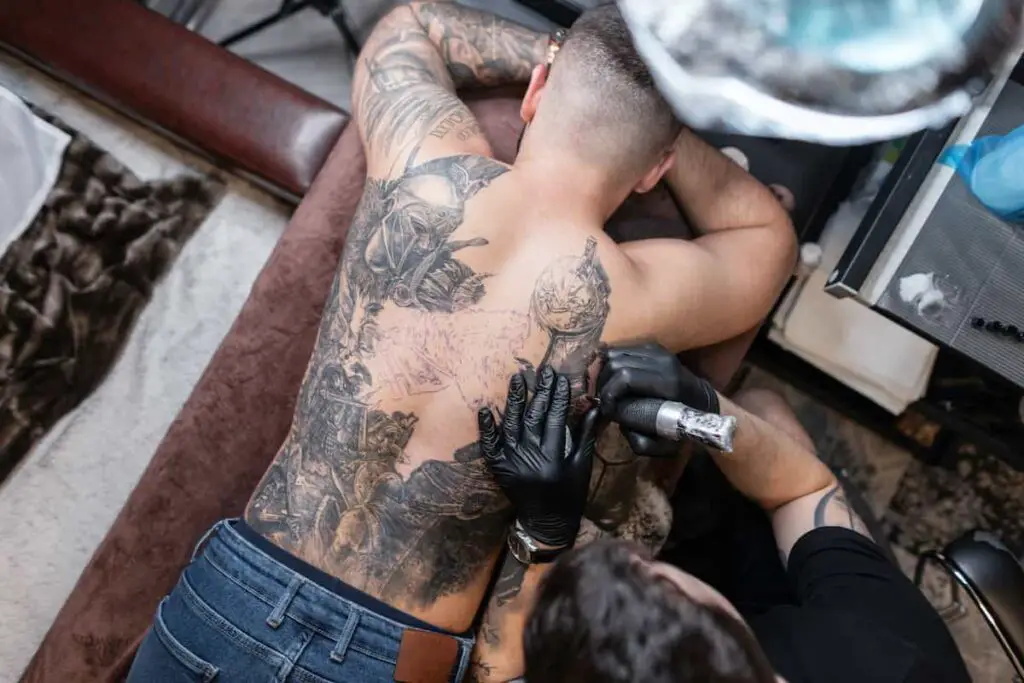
{"type": "Point", "coordinates": [834, 510]}
{"type": "Point", "coordinates": [402, 320]}
{"type": "Point", "coordinates": [480, 48]}
{"type": "Point", "coordinates": [506, 589]}
{"type": "Point", "coordinates": [414, 62]}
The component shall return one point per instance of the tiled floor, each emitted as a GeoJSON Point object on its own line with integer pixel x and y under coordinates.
{"type": "Point", "coordinates": [920, 506]}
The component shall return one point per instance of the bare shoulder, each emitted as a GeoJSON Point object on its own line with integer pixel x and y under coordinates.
{"type": "Point", "coordinates": [634, 270]}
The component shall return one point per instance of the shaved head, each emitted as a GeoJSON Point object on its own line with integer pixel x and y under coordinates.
{"type": "Point", "coordinates": [601, 99]}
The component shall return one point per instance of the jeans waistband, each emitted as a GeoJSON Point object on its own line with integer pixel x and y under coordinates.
{"type": "Point", "coordinates": [331, 583]}
{"type": "Point", "coordinates": [288, 592]}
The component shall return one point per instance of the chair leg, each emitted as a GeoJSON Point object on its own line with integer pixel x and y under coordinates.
{"type": "Point", "coordinates": [287, 9]}
{"type": "Point", "coordinates": [955, 609]}
{"type": "Point", "coordinates": [335, 11]}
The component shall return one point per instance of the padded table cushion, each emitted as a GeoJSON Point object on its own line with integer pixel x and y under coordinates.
{"type": "Point", "coordinates": [147, 66]}
{"type": "Point", "coordinates": [231, 427]}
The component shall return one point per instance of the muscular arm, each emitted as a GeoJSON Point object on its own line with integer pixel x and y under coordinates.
{"type": "Point", "coordinates": [407, 74]}
{"type": "Point", "coordinates": [624, 503]}
{"type": "Point", "coordinates": [717, 195]}
{"type": "Point", "coordinates": [779, 473]}
{"type": "Point", "coordinates": [498, 654]}
{"type": "Point", "coordinates": [767, 465]}
{"type": "Point", "coordinates": [825, 507]}
{"type": "Point", "coordinates": [724, 282]}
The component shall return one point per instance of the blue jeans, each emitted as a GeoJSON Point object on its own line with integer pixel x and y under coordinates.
{"type": "Point", "coordinates": [238, 614]}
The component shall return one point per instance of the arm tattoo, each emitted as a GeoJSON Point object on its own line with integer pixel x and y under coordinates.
{"type": "Point", "coordinates": [479, 670]}
{"type": "Point", "coordinates": [480, 48]}
{"type": "Point", "coordinates": [822, 507]}
{"type": "Point", "coordinates": [506, 590]}
{"type": "Point", "coordinates": [338, 494]}
{"type": "Point", "coordinates": [510, 582]}
{"type": "Point", "coordinates": [496, 636]}
{"type": "Point", "coordinates": [420, 55]}
{"type": "Point", "coordinates": [405, 92]}
{"type": "Point", "coordinates": [835, 499]}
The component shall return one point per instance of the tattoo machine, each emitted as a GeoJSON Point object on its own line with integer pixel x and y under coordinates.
{"type": "Point", "coordinates": [836, 72]}
{"type": "Point", "coordinates": [675, 421]}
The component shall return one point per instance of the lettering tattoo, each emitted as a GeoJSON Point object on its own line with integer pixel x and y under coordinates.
{"type": "Point", "coordinates": [464, 126]}
{"type": "Point", "coordinates": [404, 92]}
{"type": "Point", "coordinates": [402, 320]}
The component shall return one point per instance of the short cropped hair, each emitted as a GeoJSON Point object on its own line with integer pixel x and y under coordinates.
{"type": "Point", "coordinates": [605, 90]}
{"type": "Point", "coordinates": [602, 617]}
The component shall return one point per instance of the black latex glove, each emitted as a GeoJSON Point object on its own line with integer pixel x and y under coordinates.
{"type": "Point", "coordinates": [546, 481]}
{"type": "Point", "coordinates": [651, 371]}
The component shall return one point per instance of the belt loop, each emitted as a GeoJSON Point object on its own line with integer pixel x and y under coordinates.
{"type": "Point", "coordinates": [467, 650]}
{"type": "Point", "coordinates": [205, 537]}
{"type": "Point", "coordinates": [277, 616]}
{"type": "Point", "coordinates": [338, 653]}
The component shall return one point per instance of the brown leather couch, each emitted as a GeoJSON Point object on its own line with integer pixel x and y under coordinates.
{"type": "Point", "coordinates": [179, 83]}
{"type": "Point", "coordinates": [231, 426]}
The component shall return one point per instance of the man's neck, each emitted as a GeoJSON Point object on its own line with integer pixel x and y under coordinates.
{"type": "Point", "coordinates": [588, 192]}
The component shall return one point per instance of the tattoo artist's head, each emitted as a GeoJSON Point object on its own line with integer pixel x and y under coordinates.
{"type": "Point", "coordinates": [607, 614]}
{"type": "Point", "coordinates": [597, 103]}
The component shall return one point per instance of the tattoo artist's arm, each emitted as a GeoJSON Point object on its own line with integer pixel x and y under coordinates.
{"type": "Point", "coordinates": [406, 76]}
{"type": "Point", "coordinates": [826, 507]}
{"type": "Point", "coordinates": [767, 465]}
{"type": "Point", "coordinates": [787, 480]}
{"type": "Point", "coordinates": [548, 489]}
{"type": "Point", "coordinates": [498, 653]}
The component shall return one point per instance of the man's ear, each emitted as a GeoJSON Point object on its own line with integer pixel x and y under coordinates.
{"type": "Point", "coordinates": [655, 174]}
{"type": "Point", "coordinates": [538, 79]}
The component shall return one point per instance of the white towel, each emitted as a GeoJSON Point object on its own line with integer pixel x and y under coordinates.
{"type": "Point", "coordinates": [30, 154]}
{"type": "Point", "coordinates": [861, 348]}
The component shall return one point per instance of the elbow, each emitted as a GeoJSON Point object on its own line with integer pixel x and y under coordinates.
{"type": "Point", "coordinates": [786, 249]}
{"type": "Point", "coordinates": [415, 8]}
{"type": "Point", "coordinates": [398, 18]}
{"type": "Point", "coordinates": [781, 225]}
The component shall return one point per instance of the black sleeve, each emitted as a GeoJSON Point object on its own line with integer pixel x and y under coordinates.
{"type": "Point", "coordinates": [838, 570]}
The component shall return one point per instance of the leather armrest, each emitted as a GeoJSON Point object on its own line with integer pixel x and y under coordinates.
{"type": "Point", "coordinates": [169, 77]}
{"type": "Point", "coordinates": [995, 578]}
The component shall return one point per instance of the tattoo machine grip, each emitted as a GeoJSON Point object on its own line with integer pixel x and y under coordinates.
{"type": "Point", "coordinates": [676, 421]}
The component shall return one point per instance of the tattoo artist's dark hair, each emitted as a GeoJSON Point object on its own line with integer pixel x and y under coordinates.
{"type": "Point", "coordinates": [602, 617]}
{"type": "Point", "coordinates": [598, 59]}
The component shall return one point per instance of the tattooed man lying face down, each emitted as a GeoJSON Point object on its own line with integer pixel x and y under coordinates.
{"type": "Point", "coordinates": [460, 271]}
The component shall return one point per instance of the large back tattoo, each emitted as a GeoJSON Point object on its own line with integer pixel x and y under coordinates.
{"type": "Point", "coordinates": [419, 537]}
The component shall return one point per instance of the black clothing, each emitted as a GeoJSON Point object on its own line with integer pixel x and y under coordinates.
{"type": "Point", "coordinates": [840, 613]}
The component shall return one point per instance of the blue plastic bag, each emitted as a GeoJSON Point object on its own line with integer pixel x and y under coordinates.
{"type": "Point", "coordinates": [993, 169]}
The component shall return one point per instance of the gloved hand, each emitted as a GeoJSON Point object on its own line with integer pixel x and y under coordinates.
{"type": "Point", "coordinates": [650, 371]}
{"type": "Point", "coordinates": [546, 481]}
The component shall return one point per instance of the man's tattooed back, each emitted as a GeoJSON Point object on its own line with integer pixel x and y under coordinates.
{"type": "Point", "coordinates": [380, 481]}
